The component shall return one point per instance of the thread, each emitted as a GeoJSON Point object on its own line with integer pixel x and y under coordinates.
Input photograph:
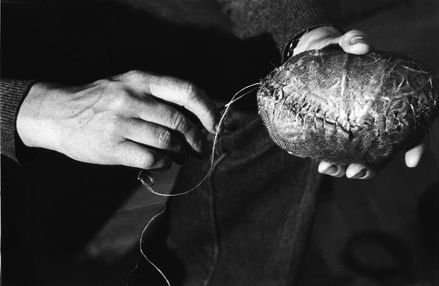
{"type": "Point", "coordinates": [145, 175]}
{"type": "Point", "coordinates": [147, 179]}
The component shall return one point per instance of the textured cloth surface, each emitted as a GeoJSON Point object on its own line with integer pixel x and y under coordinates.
{"type": "Point", "coordinates": [12, 94]}
{"type": "Point", "coordinates": [246, 225]}
{"type": "Point", "coordinates": [332, 106]}
{"type": "Point", "coordinates": [283, 19]}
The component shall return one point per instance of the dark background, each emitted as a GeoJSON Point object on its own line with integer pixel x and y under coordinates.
{"type": "Point", "coordinates": [68, 223]}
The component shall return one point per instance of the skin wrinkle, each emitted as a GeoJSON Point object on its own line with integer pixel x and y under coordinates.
{"type": "Point", "coordinates": [374, 113]}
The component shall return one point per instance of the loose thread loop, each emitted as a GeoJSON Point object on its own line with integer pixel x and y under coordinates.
{"type": "Point", "coordinates": [147, 179]}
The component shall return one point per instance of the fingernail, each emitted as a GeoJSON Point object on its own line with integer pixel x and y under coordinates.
{"type": "Point", "coordinates": [360, 175]}
{"type": "Point", "coordinates": [331, 170]}
{"type": "Point", "coordinates": [357, 40]}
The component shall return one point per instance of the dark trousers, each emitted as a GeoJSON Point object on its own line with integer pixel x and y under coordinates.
{"type": "Point", "coordinates": [246, 225]}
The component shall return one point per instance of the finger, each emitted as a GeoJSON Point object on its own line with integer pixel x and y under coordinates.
{"type": "Point", "coordinates": [135, 155]}
{"type": "Point", "coordinates": [180, 92]}
{"type": "Point", "coordinates": [188, 96]}
{"type": "Point", "coordinates": [359, 171]}
{"type": "Point", "coordinates": [151, 134]}
{"type": "Point", "coordinates": [413, 156]}
{"type": "Point", "coordinates": [168, 116]}
{"type": "Point", "coordinates": [331, 169]}
{"type": "Point", "coordinates": [355, 42]}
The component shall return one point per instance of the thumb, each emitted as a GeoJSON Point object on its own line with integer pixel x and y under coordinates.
{"type": "Point", "coordinates": [355, 42]}
{"type": "Point", "coordinates": [413, 156]}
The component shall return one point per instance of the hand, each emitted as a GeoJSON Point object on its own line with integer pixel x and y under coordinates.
{"type": "Point", "coordinates": [353, 42]}
{"type": "Point", "coordinates": [125, 120]}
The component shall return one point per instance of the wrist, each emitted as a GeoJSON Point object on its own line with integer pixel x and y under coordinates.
{"type": "Point", "coordinates": [33, 120]}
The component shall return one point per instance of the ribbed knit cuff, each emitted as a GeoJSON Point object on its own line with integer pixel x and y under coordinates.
{"type": "Point", "coordinates": [12, 93]}
{"type": "Point", "coordinates": [306, 15]}
{"type": "Point", "coordinates": [283, 19]}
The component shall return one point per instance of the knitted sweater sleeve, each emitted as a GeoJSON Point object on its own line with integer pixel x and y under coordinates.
{"type": "Point", "coordinates": [12, 94]}
{"type": "Point", "coordinates": [283, 19]}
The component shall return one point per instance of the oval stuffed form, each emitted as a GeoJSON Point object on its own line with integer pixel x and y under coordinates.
{"type": "Point", "coordinates": [343, 108]}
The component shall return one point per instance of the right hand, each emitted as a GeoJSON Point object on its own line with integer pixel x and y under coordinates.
{"type": "Point", "coordinates": [353, 42]}
{"type": "Point", "coordinates": [124, 120]}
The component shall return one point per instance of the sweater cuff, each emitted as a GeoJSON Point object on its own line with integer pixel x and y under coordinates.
{"type": "Point", "coordinates": [309, 19]}
{"type": "Point", "coordinates": [12, 93]}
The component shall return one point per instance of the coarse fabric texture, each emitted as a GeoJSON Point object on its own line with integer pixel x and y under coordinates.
{"type": "Point", "coordinates": [259, 213]}
{"type": "Point", "coordinates": [12, 94]}
{"type": "Point", "coordinates": [246, 225]}
{"type": "Point", "coordinates": [330, 105]}
{"type": "Point", "coordinates": [282, 20]}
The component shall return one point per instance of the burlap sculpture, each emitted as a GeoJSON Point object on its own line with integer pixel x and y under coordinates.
{"type": "Point", "coordinates": [330, 105]}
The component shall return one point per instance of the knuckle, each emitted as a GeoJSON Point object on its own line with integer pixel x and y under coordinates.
{"type": "Point", "coordinates": [191, 91]}
{"type": "Point", "coordinates": [164, 138]}
{"type": "Point", "coordinates": [148, 161]}
{"type": "Point", "coordinates": [132, 74]}
{"type": "Point", "coordinates": [121, 99]}
{"type": "Point", "coordinates": [179, 122]}
{"type": "Point", "coordinates": [103, 82]}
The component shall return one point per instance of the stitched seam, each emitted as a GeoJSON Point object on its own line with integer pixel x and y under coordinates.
{"type": "Point", "coordinates": [304, 112]}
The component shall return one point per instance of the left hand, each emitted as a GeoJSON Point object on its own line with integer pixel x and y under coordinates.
{"type": "Point", "coordinates": [354, 42]}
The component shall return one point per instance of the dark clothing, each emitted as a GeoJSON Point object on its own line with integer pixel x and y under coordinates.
{"type": "Point", "coordinates": [243, 19]}
{"type": "Point", "coordinates": [246, 225]}
{"type": "Point", "coordinates": [12, 94]}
